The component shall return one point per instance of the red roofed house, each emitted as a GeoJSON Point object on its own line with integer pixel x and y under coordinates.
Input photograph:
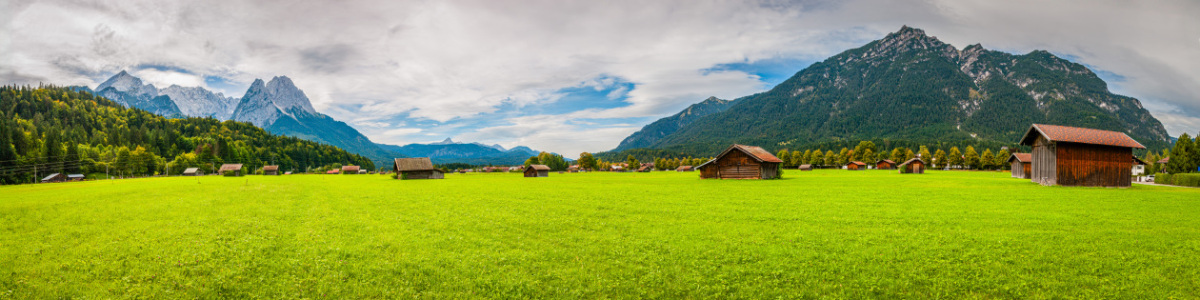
{"type": "Point", "coordinates": [742, 162]}
{"type": "Point", "coordinates": [1021, 165]}
{"type": "Point", "coordinates": [1073, 156]}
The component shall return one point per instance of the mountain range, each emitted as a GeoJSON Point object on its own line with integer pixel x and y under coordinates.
{"type": "Point", "coordinates": [907, 86]}
{"type": "Point", "coordinates": [280, 107]}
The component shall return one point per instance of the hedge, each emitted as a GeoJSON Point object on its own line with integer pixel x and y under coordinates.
{"type": "Point", "coordinates": [1181, 179]}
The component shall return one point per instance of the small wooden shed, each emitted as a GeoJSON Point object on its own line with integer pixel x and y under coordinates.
{"type": "Point", "coordinates": [56, 177]}
{"type": "Point", "coordinates": [349, 169]}
{"type": "Point", "coordinates": [1074, 156]}
{"type": "Point", "coordinates": [270, 170]}
{"type": "Point", "coordinates": [806, 167]}
{"type": "Point", "coordinates": [885, 164]}
{"type": "Point", "coordinates": [1021, 165]}
{"type": "Point", "coordinates": [856, 166]}
{"type": "Point", "coordinates": [537, 171]}
{"type": "Point", "coordinates": [416, 168]}
{"type": "Point", "coordinates": [75, 177]}
{"type": "Point", "coordinates": [684, 169]}
{"type": "Point", "coordinates": [192, 172]}
{"type": "Point", "coordinates": [742, 162]}
{"type": "Point", "coordinates": [230, 170]}
{"type": "Point", "coordinates": [913, 166]}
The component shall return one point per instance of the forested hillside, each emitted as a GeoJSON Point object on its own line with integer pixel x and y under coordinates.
{"type": "Point", "coordinates": [55, 129]}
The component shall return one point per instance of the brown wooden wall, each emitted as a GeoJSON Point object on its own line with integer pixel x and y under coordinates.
{"type": "Point", "coordinates": [913, 167]}
{"type": "Point", "coordinates": [1021, 170]}
{"type": "Point", "coordinates": [884, 166]}
{"type": "Point", "coordinates": [733, 165]}
{"type": "Point", "coordinates": [422, 175]}
{"type": "Point", "coordinates": [1044, 162]}
{"type": "Point", "coordinates": [1093, 165]}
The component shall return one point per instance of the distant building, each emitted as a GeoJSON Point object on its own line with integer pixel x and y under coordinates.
{"type": "Point", "coordinates": [75, 177]}
{"type": "Point", "coordinates": [856, 166]}
{"type": "Point", "coordinates": [742, 162]}
{"type": "Point", "coordinates": [684, 169]}
{"type": "Point", "coordinates": [192, 172]}
{"type": "Point", "coordinates": [349, 169]}
{"type": "Point", "coordinates": [416, 168]}
{"type": "Point", "coordinates": [1139, 166]}
{"type": "Point", "coordinates": [1074, 156]}
{"type": "Point", "coordinates": [333, 171]}
{"type": "Point", "coordinates": [56, 177]}
{"type": "Point", "coordinates": [270, 170]}
{"type": "Point", "coordinates": [1022, 165]}
{"type": "Point", "coordinates": [885, 164]}
{"type": "Point", "coordinates": [806, 167]}
{"type": "Point", "coordinates": [913, 166]}
{"type": "Point", "coordinates": [230, 170]}
{"type": "Point", "coordinates": [537, 171]}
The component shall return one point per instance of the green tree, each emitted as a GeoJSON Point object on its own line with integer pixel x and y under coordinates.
{"type": "Point", "coordinates": [587, 161]}
{"type": "Point", "coordinates": [971, 158]}
{"type": "Point", "coordinates": [908, 154]}
{"type": "Point", "coordinates": [830, 158]}
{"type": "Point", "coordinates": [954, 158]}
{"type": "Point", "coordinates": [784, 156]}
{"type": "Point", "coordinates": [924, 153]}
{"type": "Point", "coordinates": [632, 163]}
{"type": "Point", "coordinates": [842, 157]}
{"type": "Point", "coordinates": [805, 158]}
{"type": "Point", "coordinates": [939, 158]}
{"type": "Point", "coordinates": [897, 155]}
{"type": "Point", "coordinates": [987, 159]}
{"type": "Point", "coordinates": [1181, 155]}
{"type": "Point", "coordinates": [533, 160]}
{"type": "Point", "coordinates": [799, 158]}
{"type": "Point", "coordinates": [1001, 159]}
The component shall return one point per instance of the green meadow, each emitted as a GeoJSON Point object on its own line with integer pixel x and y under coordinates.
{"type": "Point", "coordinates": [822, 234]}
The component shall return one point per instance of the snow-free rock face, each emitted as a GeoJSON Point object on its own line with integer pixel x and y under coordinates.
{"type": "Point", "coordinates": [200, 102]}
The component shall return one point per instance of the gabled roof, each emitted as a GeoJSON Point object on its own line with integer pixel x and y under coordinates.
{"type": "Point", "coordinates": [1021, 157]}
{"type": "Point", "coordinates": [333, 171]}
{"type": "Point", "coordinates": [349, 168]}
{"type": "Point", "coordinates": [885, 161]}
{"type": "Point", "coordinates": [230, 167]}
{"type": "Point", "coordinates": [51, 176]}
{"type": "Point", "coordinates": [683, 168]}
{"type": "Point", "coordinates": [270, 168]}
{"type": "Point", "coordinates": [75, 176]}
{"type": "Point", "coordinates": [856, 163]}
{"type": "Point", "coordinates": [755, 152]}
{"type": "Point", "coordinates": [413, 164]}
{"type": "Point", "coordinates": [914, 159]}
{"type": "Point", "coordinates": [1056, 133]}
{"type": "Point", "coordinates": [538, 167]}
{"type": "Point", "coordinates": [191, 170]}
{"type": "Point", "coordinates": [1139, 161]}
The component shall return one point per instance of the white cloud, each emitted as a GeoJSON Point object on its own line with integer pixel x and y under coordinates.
{"type": "Point", "coordinates": [459, 60]}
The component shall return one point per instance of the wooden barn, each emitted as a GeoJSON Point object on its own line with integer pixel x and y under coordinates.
{"type": "Point", "coordinates": [885, 164]}
{"type": "Point", "coordinates": [742, 162]}
{"type": "Point", "coordinates": [270, 170]}
{"type": "Point", "coordinates": [333, 171]}
{"type": "Point", "coordinates": [806, 167]}
{"type": "Point", "coordinates": [56, 177]}
{"type": "Point", "coordinates": [537, 171]}
{"type": "Point", "coordinates": [1073, 156]}
{"type": "Point", "coordinates": [913, 166]}
{"type": "Point", "coordinates": [192, 172]}
{"type": "Point", "coordinates": [416, 168]}
{"type": "Point", "coordinates": [75, 177]}
{"type": "Point", "coordinates": [856, 166]}
{"type": "Point", "coordinates": [1021, 165]}
{"type": "Point", "coordinates": [684, 169]}
{"type": "Point", "coordinates": [230, 170]}
{"type": "Point", "coordinates": [349, 169]}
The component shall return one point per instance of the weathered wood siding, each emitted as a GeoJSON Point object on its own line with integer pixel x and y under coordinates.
{"type": "Point", "coordinates": [915, 167]}
{"type": "Point", "coordinates": [734, 165]}
{"type": "Point", "coordinates": [770, 170]}
{"type": "Point", "coordinates": [422, 175]}
{"type": "Point", "coordinates": [1021, 169]}
{"type": "Point", "coordinates": [1093, 165]}
{"type": "Point", "coordinates": [1044, 165]}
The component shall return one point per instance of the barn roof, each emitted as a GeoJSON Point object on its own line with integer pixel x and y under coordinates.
{"type": "Point", "coordinates": [73, 176]}
{"type": "Point", "coordinates": [914, 159]}
{"type": "Point", "coordinates": [191, 170]}
{"type": "Point", "coordinates": [1164, 160]}
{"type": "Point", "coordinates": [230, 167]}
{"type": "Point", "coordinates": [1070, 134]}
{"type": "Point", "coordinates": [51, 176]}
{"type": "Point", "coordinates": [270, 168]}
{"type": "Point", "coordinates": [683, 168]}
{"type": "Point", "coordinates": [333, 171]}
{"type": "Point", "coordinates": [857, 163]}
{"type": "Point", "coordinates": [413, 164]}
{"type": "Point", "coordinates": [349, 168]}
{"type": "Point", "coordinates": [805, 166]}
{"type": "Point", "coordinates": [1021, 157]}
{"type": "Point", "coordinates": [1139, 161]}
{"type": "Point", "coordinates": [885, 161]}
{"type": "Point", "coordinates": [753, 151]}
{"type": "Point", "coordinates": [538, 167]}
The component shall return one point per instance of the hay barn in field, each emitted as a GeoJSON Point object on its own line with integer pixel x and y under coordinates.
{"type": "Point", "coordinates": [537, 171]}
{"type": "Point", "coordinates": [856, 166]}
{"type": "Point", "coordinates": [230, 170]}
{"type": "Point", "coordinates": [56, 177]}
{"type": "Point", "coordinates": [913, 166]}
{"type": "Point", "coordinates": [270, 170]}
{"type": "Point", "coordinates": [75, 177]}
{"type": "Point", "coordinates": [192, 172]}
{"type": "Point", "coordinates": [805, 167]}
{"type": "Point", "coordinates": [1074, 156]}
{"type": "Point", "coordinates": [349, 169]}
{"type": "Point", "coordinates": [742, 162]}
{"type": "Point", "coordinates": [885, 164]}
{"type": "Point", "coordinates": [416, 168]}
{"type": "Point", "coordinates": [684, 169]}
{"type": "Point", "coordinates": [1021, 165]}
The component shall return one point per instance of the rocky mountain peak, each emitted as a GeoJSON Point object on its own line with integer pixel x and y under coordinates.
{"type": "Point", "coordinates": [123, 82]}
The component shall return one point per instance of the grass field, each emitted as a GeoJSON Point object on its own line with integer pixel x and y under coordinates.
{"type": "Point", "coordinates": [822, 234]}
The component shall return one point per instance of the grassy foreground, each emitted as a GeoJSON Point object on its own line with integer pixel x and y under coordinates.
{"type": "Point", "coordinates": [822, 234]}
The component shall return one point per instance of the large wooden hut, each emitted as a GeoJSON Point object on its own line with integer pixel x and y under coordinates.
{"type": "Point", "coordinates": [856, 166]}
{"type": "Point", "coordinates": [416, 168]}
{"type": "Point", "coordinates": [1021, 165]}
{"type": "Point", "coordinates": [912, 166]}
{"type": "Point", "coordinates": [230, 170]}
{"type": "Point", "coordinates": [885, 164]}
{"type": "Point", "coordinates": [270, 170]}
{"type": "Point", "coordinates": [742, 162]}
{"type": "Point", "coordinates": [537, 171]}
{"type": "Point", "coordinates": [1073, 156]}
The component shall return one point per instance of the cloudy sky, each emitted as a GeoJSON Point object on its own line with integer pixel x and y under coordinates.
{"type": "Point", "coordinates": [565, 76]}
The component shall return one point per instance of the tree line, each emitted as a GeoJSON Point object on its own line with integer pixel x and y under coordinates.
{"type": "Point", "coordinates": [50, 129]}
{"type": "Point", "coordinates": [867, 152]}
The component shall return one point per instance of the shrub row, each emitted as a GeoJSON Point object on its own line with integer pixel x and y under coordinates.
{"type": "Point", "coordinates": [1181, 179]}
